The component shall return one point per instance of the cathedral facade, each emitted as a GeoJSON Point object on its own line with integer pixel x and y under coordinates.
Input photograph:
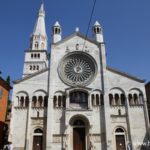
{"type": "Point", "coordinates": [72, 100]}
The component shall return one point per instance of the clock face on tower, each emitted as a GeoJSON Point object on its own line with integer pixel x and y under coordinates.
{"type": "Point", "coordinates": [77, 68]}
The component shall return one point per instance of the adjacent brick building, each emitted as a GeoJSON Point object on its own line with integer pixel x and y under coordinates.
{"type": "Point", "coordinates": [4, 93]}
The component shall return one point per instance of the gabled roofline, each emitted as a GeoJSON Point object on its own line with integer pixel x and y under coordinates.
{"type": "Point", "coordinates": [125, 74]}
{"type": "Point", "coordinates": [76, 34]}
{"type": "Point", "coordinates": [29, 51]}
{"type": "Point", "coordinates": [30, 76]}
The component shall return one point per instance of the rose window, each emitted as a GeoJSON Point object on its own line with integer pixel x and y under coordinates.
{"type": "Point", "coordinates": [77, 68]}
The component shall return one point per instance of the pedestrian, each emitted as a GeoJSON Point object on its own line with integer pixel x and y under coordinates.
{"type": "Point", "coordinates": [91, 146]}
{"type": "Point", "coordinates": [6, 147]}
{"type": "Point", "coordinates": [10, 146]}
{"type": "Point", "coordinates": [129, 146]}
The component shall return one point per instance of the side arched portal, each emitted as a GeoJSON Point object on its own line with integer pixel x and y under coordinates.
{"type": "Point", "coordinates": [120, 139]}
{"type": "Point", "coordinates": [38, 139]}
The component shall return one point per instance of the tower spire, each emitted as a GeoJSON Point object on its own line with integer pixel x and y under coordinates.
{"type": "Point", "coordinates": [36, 57]}
{"type": "Point", "coordinates": [39, 37]}
{"type": "Point", "coordinates": [40, 23]}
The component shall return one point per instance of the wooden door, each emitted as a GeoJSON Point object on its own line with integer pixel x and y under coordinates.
{"type": "Point", "coordinates": [120, 142]}
{"type": "Point", "coordinates": [37, 142]}
{"type": "Point", "coordinates": [79, 139]}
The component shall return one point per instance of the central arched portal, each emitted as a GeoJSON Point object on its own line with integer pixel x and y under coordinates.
{"type": "Point", "coordinates": [79, 139]}
{"type": "Point", "coordinates": [80, 128]}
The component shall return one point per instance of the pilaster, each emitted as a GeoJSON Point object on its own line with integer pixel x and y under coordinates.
{"type": "Point", "coordinates": [108, 129]}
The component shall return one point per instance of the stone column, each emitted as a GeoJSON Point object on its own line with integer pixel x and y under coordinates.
{"type": "Point", "coordinates": [108, 130]}
{"type": "Point", "coordinates": [67, 100]}
{"type": "Point", "coordinates": [61, 101]}
{"type": "Point", "coordinates": [49, 137]}
{"type": "Point", "coordinates": [89, 101]}
{"type": "Point", "coordinates": [28, 144]}
{"type": "Point", "coordinates": [128, 121]}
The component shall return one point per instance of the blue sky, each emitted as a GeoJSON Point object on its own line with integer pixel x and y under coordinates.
{"type": "Point", "coordinates": [126, 28]}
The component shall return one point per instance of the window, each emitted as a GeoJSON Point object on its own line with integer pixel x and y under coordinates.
{"type": "Point", "coordinates": [1, 93]}
{"type": "Point", "coordinates": [92, 98]}
{"type": "Point", "coordinates": [59, 30]}
{"type": "Point", "coordinates": [27, 101]}
{"type": "Point", "coordinates": [34, 55]}
{"type": "Point", "coordinates": [56, 30]}
{"type": "Point", "coordinates": [31, 55]}
{"type": "Point", "coordinates": [22, 101]}
{"type": "Point", "coordinates": [40, 101]}
{"type": "Point", "coordinates": [30, 67]}
{"type": "Point", "coordinates": [97, 99]}
{"type": "Point", "coordinates": [135, 99]}
{"type": "Point", "coordinates": [123, 99]}
{"type": "Point", "coordinates": [36, 45]}
{"type": "Point", "coordinates": [130, 99]}
{"type": "Point", "coordinates": [77, 46]}
{"type": "Point", "coordinates": [111, 101]}
{"type": "Point", "coordinates": [38, 55]}
{"type": "Point", "coordinates": [98, 30]}
{"type": "Point", "coordinates": [37, 67]}
{"type": "Point", "coordinates": [34, 67]}
{"type": "Point", "coordinates": [34, 101]}
{"type": "Point", "coordinates": [78, 97]}
{"type": "Point", "coordinates": [59, 101]}
{"type": "Point", "coordinates": [117, 99]}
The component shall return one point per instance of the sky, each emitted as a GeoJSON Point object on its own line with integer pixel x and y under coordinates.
{"type": "Point", "coordinates": [125, 23]}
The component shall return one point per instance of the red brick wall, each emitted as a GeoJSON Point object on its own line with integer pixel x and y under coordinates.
{"type": "Point", "coordinates": [3, 110]}
{"type": "Point", "coordinates": [3, 104]}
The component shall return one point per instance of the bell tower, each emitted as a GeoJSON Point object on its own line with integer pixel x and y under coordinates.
{"type": "Point", "coordinates": [36, 55]}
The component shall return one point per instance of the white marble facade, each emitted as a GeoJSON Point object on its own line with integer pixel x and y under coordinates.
{"type": "Point", "coordinates": [75, 89]}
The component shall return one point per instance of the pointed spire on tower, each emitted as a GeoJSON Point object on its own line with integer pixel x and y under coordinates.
{"type": "Point", "coordinates": [42, 8]}
{"type": "Point", "coordinates": [40, 23]}
{"type": "Point", "coordinates": [97, 23]}
{"type": "Point", "coordinates": [56, 24]}
{"type": "Point", "coordinates": [39, 36]}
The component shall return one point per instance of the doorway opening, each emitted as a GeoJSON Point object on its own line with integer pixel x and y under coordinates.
{"type": "Point", "coordinates": [79, 135]}
{"type": "Point", "coordinates": [120, 139]}
{"type": "Point", "coordinates": [38, 139]}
